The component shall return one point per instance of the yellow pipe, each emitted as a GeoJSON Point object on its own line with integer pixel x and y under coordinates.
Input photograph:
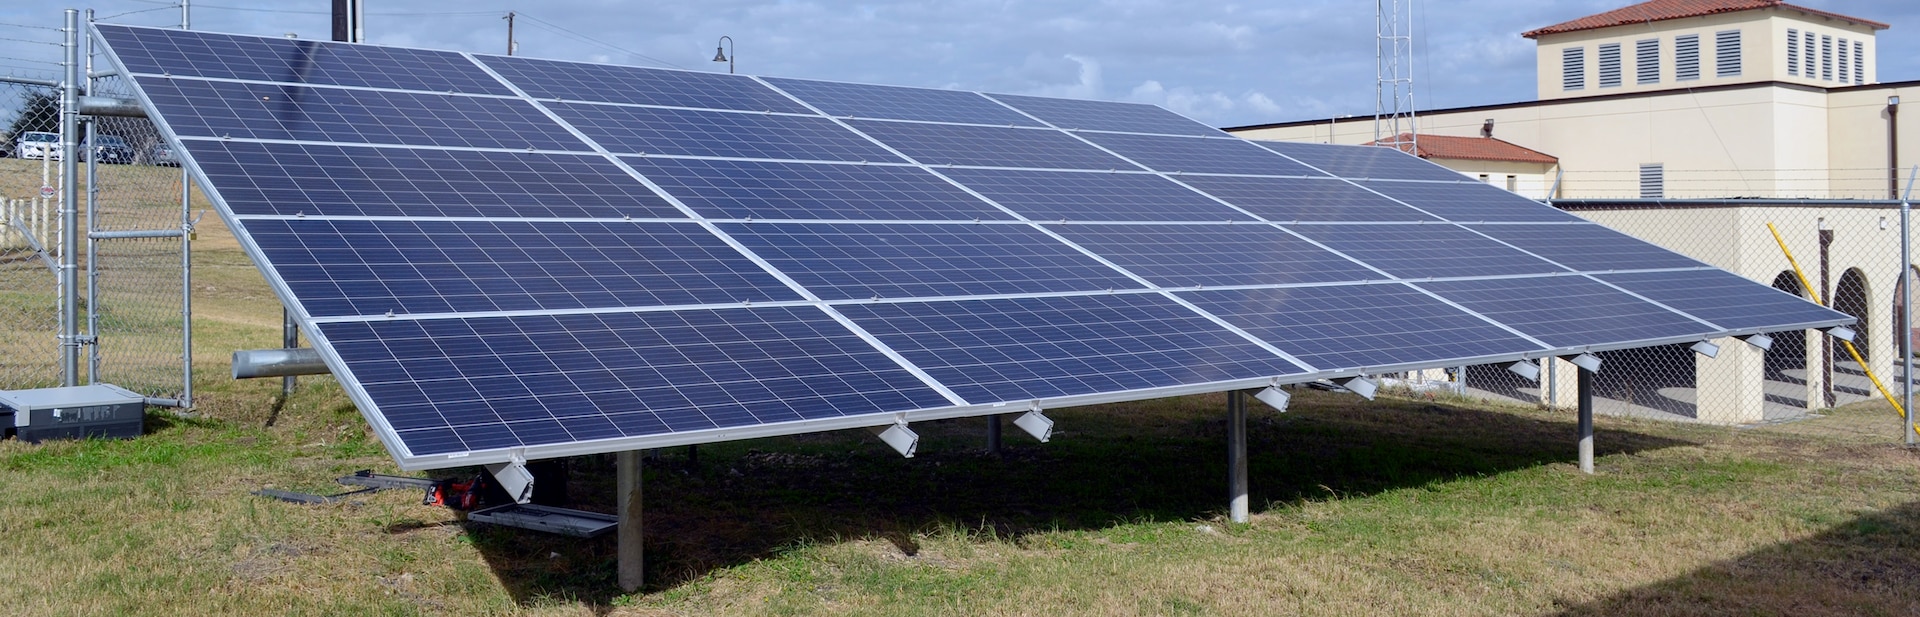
{"type": "Point", "coordinates": [1811, 291]}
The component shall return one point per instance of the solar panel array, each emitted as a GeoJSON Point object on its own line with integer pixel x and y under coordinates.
{"type": "Point", "coordinates": [503, 256]}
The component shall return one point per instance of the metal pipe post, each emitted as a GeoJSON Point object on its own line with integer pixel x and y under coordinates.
{"type": "Point", "coordinates": [186, 289]}
{"type": "Point", "coordinates": [1906, 310]}
{"type": "Point", "coordinates": [93, 248]}
{"type": "Point", "coordinates": [630, 554]}
{"type": "Point", "coordinates": [1237, 456]}
{"type": "Point", "coordinates": [69, 207]}
{"type": "Point", "coordinates": [993, 434]}
{"type": "Point", "coordinates": [1586, 420]}
{"type": "Point", "coordinates": [289, 339]}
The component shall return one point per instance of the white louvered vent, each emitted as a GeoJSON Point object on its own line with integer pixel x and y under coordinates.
{"type": "Point", "coordinates": [1646, 61]}
{"type": "Point", "coordinates": [1686, 57]}
{"type": "Point", "coordinates": [1859, 62]}
{"type": "Point", "coordinates": [1726, 53]}
{"type": "Point", "coordinates": [1610, 65]}
{"type": "Point", "coordinates": [1793, 52]}
{"type": "Point", "coordinates": [1653, 181]}
{"type": "Point", "coordinates": [1573, 68]}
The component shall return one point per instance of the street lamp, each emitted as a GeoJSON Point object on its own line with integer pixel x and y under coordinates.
{"type": "Point", "coordinates": [720, 52]}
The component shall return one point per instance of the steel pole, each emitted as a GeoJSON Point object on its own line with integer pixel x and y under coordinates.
{"type": "Point", "coordinates": [993, 434]}
{"type": "Point", "coordinates": [289, 339]}
{"type": "Point", "coordinates": [629, 554]}
{"type": "Point", "coordinates": [1586, 420]}
{"type": "Point", "coordinates": [93, 248]}
{"type": "Point", "coordinates": [1237, 456]}
{"type": "Point", "coordinates": [1906, 309]}
{"type": "Point", "coordinates": [69, 210]}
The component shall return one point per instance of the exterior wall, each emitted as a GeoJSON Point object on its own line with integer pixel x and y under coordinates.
{"type": "Point", "coordinates": [1763, 51]}
{"type": "Point", "coordinates": [1857, 121]}
{"type": "Point", "coordinates": [1530, 179]}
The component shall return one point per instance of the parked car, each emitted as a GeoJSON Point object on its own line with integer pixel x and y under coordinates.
{"type": "Point", "coordinates": [37, 145]}
{"type": "Point", "coordinates": [111, 150]}
{"type": "Point", "coordinates": [162, 155]}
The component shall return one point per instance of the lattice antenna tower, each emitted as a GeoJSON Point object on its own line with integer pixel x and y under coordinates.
{"type": "Point", "coordinates": [1393, 118]}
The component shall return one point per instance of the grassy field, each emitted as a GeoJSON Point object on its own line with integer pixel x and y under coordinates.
{"type": "Point", "coordinates": [1399, 506]}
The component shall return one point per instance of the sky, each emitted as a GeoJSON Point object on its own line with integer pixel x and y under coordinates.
{"type": "Point", "coordinates": [1223, 63]}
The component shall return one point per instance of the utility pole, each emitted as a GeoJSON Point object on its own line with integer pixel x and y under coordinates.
{"type": "Point", "coordinates": [510, 44]}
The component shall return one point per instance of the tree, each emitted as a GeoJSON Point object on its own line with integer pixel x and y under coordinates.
{"type": "Point", "coordinates": [40, 111]}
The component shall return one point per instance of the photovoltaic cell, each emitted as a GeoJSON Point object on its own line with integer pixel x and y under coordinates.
{"type": "Point", "coordinates": [1013, 350]}
{"type": "Point", "coordinates": [778, 190]}
{"type": "Point", "coordinates": [1107, 116]}
{"type": "Point", "coordinates": [1305, 199]}
{"type": "Point", "coordinates": [1362, 163]}
{"type": "Point", "coordinates": [1359, 326]}
{"type": "Point", "coordinates": [1198, 155]}
{"type": "Point", "coordinates": [851, 261]}
{"type": "Point", "coordinates": [1568, 311]}
{"type": "Point", "coordinates": [359, 267]}
{"type": "Point", "coordinates": [579, 81]}
{"type": "Point", "coordinates": [288, 179]}
{"type": "Point", "coordinates": [1426, 250]}
{"type": "Point", "coordinates": [1588, 246]}
{"type": "Point", "coordinates": [647, 130]}
{"type": "Point", "coordinates": [1214, 255]}
{"type": "Point", "coordinates": [1471, 202]}
{"type": "Point", "coordinates": [897, 103]}
{"type": "Point", "coordinates": [946, 144]}
{"type": "Point", "coordinates": [262, 111]}
{"type": "Point", "coordinates": [476, 384]}
{"type": "Point", "coordinates": [185, 53]}
{"type": "Point", "coordinates": [1726, 299]}
{"type": "Point", "coordinates": [1095, 196]}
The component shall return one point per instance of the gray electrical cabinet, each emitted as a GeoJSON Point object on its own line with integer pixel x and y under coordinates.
{"type": "Point", "coordinates": [97, 410]}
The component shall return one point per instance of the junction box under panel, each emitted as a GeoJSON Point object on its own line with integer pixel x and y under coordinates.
{"type": "Point", "coordinates": [79, 412]}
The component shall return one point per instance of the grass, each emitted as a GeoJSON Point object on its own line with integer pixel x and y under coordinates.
{"type": "Point", "coordinates": [1400, 506]}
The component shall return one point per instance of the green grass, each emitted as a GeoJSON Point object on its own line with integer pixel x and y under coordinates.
{"type": "Point", "coordinates": [1399, 506]}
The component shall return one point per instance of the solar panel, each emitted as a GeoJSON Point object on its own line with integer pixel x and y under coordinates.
{"type": "Point", "coordinates": [505, 257]}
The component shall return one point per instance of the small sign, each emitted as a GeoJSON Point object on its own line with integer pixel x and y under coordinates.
{"type": "Point", "coordinates": [46, 191]}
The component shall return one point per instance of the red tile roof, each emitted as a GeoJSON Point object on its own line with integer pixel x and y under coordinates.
{"type": "Point", "coordinates": [1658, 10]}
{"type": "Point", "coordinates": [1473, 148]}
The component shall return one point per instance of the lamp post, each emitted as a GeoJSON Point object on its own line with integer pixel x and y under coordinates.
{"type": "Point", "coordinates": [720, 52]}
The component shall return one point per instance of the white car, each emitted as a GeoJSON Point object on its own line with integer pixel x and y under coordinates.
{"type": "Point", "coordinates": [37, 145]}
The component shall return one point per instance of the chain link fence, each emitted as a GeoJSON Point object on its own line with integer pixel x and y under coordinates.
{"type": "Point", "coordinates": [1850, 254]}
{"type": "Point", "coordinates": [29, 222]}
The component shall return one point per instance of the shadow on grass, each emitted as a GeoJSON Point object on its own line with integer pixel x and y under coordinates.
{"type": "Point", "coordinates": [1150, 461]}
{"type": "Point", "coordinates": [1865, 566]}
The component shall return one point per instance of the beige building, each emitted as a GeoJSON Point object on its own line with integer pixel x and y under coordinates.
{"type": "Point", "coordinates": [1689, 98]}
{"type": "Point", "coordinates": [1722, 101]}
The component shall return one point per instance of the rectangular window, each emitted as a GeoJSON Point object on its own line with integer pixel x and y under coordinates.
{"type": "Point", "coordinates": [1686, 57]}
{"type": "Point", "coordinates": [1484, 178]}
{"type": "Point", "coordinates": [1513, 183]}
{"type": "Point", "coordinates": [1859, 62]}
{"type": "Point", "coordinates": [1826, 58]}
{"type": "Point", "coordinates": [1844, 57]}
{"type": "Point", "coordinates": [1573, 68]}
{"type": "Point", "coordinates": [1610, 65]}
{"type": "Point", "coordinates": [1793, 52]}
{"type": "Point", "coordinates": [1809, 58]}
{"type": "Point", "coordinates": [1653, 181]}
{"type": "Point", "coordinates": [1646, 61]}
{"type": "Point", "coordinates": [1726, 53]}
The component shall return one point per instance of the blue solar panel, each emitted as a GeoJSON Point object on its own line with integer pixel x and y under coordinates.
{"type": "Point", "coordinates": [1107, 116]}
{"type": "Point", "coordinates": [358, 267]}
{"type": "Point", "coordinates": [1360, 163]}
{"type": "Point", "coordinates": [1197, 155]}
{"type": "Point", "coordinates": [1726, 299]}
{"type": "Point", "coordinates": [1471, 202]}
{"type": "Point", "coordinates": [223, 56]}
{"type": "Point", "coordinates": [1189, 255]}
{"type": "Point", "coordinates": [774, 190]}
{"type": "Point", "coordinates": [579, 81]}
{"type": "Point", "coordinates": [647, 130]}
{"type": "Point", "coordinates": [262, 111]}
{"type": "Point", "coordinates": [847, 261]}
{"type": "Point", "coordinates": [1359, 326]}
{"type": "Point", "coordinates": [945, 144]}
{"type": "Point", "coordinates": [1426, 250]}
{"type": "Point", "coordinates": [1568, 311]}
{"type": "Point", "coordinates": [1083, 196]}
{"type": "Point", "coordinates": [1305, 199]}
{"type": "Point", "coordinates": [451, 386]}
{"type": "Point", "coordinates": [288, 179]}
{"type": "Point", "coordinates": [897, 103]}
{"type": "Point", "coordinates": [991, 351]}
{"type": "Point", "coordinates": [1588, 246]}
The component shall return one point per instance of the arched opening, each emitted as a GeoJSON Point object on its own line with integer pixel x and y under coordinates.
{"type": "Point", "coordinates": [1850, 297]}
{"type": "Point", "coordinates": [1789, 352]}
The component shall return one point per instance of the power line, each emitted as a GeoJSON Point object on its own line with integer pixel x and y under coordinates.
{"type": "Point", "coordinates": [601, 43]}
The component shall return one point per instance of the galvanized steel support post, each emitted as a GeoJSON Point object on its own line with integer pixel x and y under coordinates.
{"type": "Point", "coordinates": [289, 339]}
{"type": "Point", "coordinates": [629, 556]}
{"type": "Point", "coordinates": [93, 248]}
{"type": "Point", "coordinates": [1906, 306]}
{"type": "Point", "coordinates": [1237, 456]}
{"type": "Point", "coordinates": [993, 434]}
{"type": "Point", "coordinates": [69, 207]}
{"type": "Point", "coordinates": [1586, 420]}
